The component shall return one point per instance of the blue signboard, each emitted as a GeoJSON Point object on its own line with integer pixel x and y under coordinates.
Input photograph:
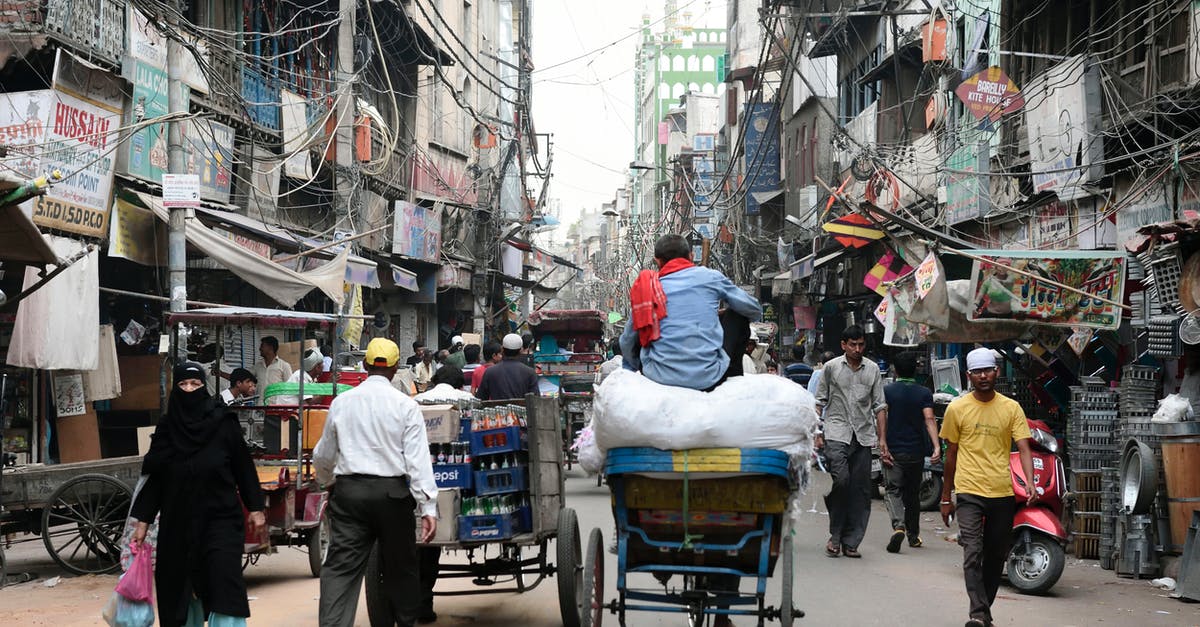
{"type": "Point", "coordinates": [762, 152]}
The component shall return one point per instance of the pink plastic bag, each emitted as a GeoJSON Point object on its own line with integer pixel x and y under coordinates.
{"type": "Point", "coordinates": [137, 584]}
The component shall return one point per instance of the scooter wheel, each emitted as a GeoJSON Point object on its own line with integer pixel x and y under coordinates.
{"type": "Point", "coordinates": [1035, 563]}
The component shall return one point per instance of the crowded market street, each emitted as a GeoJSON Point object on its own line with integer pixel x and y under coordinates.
{"type": "Point", "coordinates": [917, 587]}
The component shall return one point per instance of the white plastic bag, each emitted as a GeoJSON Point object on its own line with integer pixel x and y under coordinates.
{"type": "Point", "coordinates": [752, 411]}
{"type": "Point", "coordinates": [1173, 408]}
{"type": "Point", "coordinates": [591, 458]}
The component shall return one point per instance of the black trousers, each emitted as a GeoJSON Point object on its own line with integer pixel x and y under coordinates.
{"type": "Point", "coordinates": [431, 560]}
{"type": "Point", "coordinates": [903, 498]}
{"type": "Point", "coordinates": [363, 511]}
{"type": "Point", "coordinates": [985, 533]}
{"type": "Point", "coordinates": [849, 500]}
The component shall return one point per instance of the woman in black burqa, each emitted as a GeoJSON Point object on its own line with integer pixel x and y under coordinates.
{"type": "Point", "coordinates": [196, 469]}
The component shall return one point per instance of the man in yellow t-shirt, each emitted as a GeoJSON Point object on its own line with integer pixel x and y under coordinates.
{"type": "Point", "coordinates": [980, 429]}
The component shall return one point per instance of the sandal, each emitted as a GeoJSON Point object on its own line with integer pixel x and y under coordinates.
{"type": "Point", "coordinates": [849, 552]}
{"type": "Point", "coordinates": [833, 550]}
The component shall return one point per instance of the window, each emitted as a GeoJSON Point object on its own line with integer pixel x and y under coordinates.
{"type": "Point", "coordinates": [693, 87]}
{"type": "Point", "coordinates": [708, 88]}
{"type": "Point", "coordinates": [853, 98]}
{"type": "Point", "coordinates": [468, 32]}
{"type": "Point", "coordinates": [702, 37]}
{"type": "Point", "coordinates": [722, 37]}
{"type": "Point", "coordinates": [664, 90]}
{"type": "Point", "coordinates": [708, 64]}
{"type": "Point", "coordinates": [677, 64]}
{"type": "Point", "coordinates": [466, 122]}
{"type": "Point", "coordinates": [664, 63]}
{"type": "Point", "coordinates": [677, 90]}
{"type": "Point", "coordinates": [693, 63]}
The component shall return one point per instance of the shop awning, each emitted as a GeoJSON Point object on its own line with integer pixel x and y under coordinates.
{"type": "Point", "coordinates": [763, 198]}
{"type": "Point", "coordinates": [20, 239]}
{"type": "Point", "coordinates": [806, 265]}
{"type": "Point", "coordinates": [283, 285]}
{"type": "Point", "coordinates": [252, 316]}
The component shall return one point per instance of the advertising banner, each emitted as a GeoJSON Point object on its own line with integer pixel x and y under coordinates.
{"type": "Point", "coordinates": [417, 231]}
{"type": "Point", "coordinates": [999, 293]}
{"type": "Point", "coordinates": [145, 154]}
{"type": "Point", "coordinates": [137, 235]}
{"type": "Point", "coordinates": [762, 152]}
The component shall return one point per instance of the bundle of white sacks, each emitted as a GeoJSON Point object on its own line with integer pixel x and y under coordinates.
{"type": "Point", "coordinates": [753, 411]}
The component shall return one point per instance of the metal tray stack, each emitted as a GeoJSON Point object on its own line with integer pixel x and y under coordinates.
{"type": "Point", "coordinates": [1110, 511]}
{"type": "Point", "coordinates": [1094, 418]}
{"type": "Point", "coordinates": [1164, 267]}
{"type": "Point", "coordinates": [1163, 336]}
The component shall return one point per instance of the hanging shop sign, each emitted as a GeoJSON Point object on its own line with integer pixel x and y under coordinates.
{"type": "Point", "coordinates": [209, 154]}
{"type": "Point", "coordinates": [990, 94]}
{"type": "Point", "coordinates": [1151, 208]}
{"type": "Point", "coordinates": [417, 231]}
{"type": "Point", "coordinates": [144, 155]}
{"type": "Point", "coordinates": [1066, 147]}
{"type": "Point", "coordinates": [1052, 227]}
{"type": "Point", "coordinates": [967, 193]}
{"type": "Point", "coordinates": [137, 235]}
{"type": "Point", "coordinates": [761, 152]}
{"type": "Point", "coordinates": [997, 292]}
{"type": "Point", "coordinates": [76, 138]}
{"type": "Point", "coordinates": [148, 44]}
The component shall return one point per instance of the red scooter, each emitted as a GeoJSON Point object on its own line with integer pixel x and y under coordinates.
{"type": "Point", "coordinates": [1037, 558]}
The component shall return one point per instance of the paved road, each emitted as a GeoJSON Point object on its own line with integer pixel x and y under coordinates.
{"type": "Point", "coordinates": [920, 586]}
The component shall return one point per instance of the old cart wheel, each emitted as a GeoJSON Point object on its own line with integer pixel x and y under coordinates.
{"type": "Point", "coordinates": [379, 611]}
{"type": "Point", "coordinates": [318, 545]}
{"type": "Point", "coordinates": [83, 521]}
{"type": "Point", "coordinates": [593, 581]}
{"type": "Point", "coordinates": [570, 571]}
{"type": "Point", "coordinates": [785, 602]}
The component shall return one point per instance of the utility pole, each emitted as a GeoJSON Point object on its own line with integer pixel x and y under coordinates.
{"type": "Point", "coordinates": [176, 164]}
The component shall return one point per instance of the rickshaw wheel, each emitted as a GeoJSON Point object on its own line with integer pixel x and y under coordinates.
{"type": "Point", "coordinates": [83, 521]}
{"type": "Point", "coordinates": [785, 603]}
{"type": "Point", "coordinates": [570, 570]}
{"type": "Point", "coordinates": [318, 545]}
{"type": "Point", "coordinates": [514, 554]}
{"type": "Point", "coordinates": [593, 581]}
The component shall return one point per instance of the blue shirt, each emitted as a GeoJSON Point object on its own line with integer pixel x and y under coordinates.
{"type": "Point", "coordinates": [689, 352]}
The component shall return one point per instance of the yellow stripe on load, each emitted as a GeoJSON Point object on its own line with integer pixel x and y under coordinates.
{"type": "Point", "coordinates": [708, 460]}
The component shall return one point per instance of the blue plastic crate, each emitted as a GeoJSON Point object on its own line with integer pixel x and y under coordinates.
{"type": "Point", "coordinates": [487, 528]}
{"type": "Point", "coordinates": [501, 481]}
{"type": "Point", "coordinates": [525, 519]}
{"type": "Point", "coordinates": [453, 475]}
{"type": "Point", "coordinates": [464, 429]}
{"type": "Point", "coordinates": [505, 440]}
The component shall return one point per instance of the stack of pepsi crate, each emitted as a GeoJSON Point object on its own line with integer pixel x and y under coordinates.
{"type": "Point", "coordinates": [486, 466]}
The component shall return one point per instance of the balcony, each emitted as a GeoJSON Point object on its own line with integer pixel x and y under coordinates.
{"type": "Point", "coordinates": [94, 29]}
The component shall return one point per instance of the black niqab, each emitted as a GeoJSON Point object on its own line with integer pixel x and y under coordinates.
{"type": "Point", "coordinates": [192, 417]}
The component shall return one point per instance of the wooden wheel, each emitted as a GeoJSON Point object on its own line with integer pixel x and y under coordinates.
{"type": "Point", "coordinates": [83, 521]}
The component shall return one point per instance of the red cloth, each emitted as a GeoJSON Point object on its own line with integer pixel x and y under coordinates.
{"type": "Point", "coordinates": [477, 375]}
{"type": "Point", "coordinates": [649, 303]}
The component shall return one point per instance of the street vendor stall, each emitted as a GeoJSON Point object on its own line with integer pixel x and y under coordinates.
{"type": "Point", "coordinates": [570, 351]}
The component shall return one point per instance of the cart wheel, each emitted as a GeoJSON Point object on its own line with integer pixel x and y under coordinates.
{"type": "Point", "coordinates": [3, 568]}
{"type": "Point", "coordinates": [83, 521]}
{"type": "Point", "coordinates": [570, 571]}
{"type": "Point", "coordinates": [593, 581]}
{"type": "Point", "coordinates": [379, 611]}
{"type": "Point", "coordinates": [318, 545]}
{"type": "Point", "coordinates": [785, 603]}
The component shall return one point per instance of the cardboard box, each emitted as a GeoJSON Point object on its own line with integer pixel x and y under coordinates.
{"type": "Point", "coordinates": [140, 380]}
{"type": "Point", "coordinates": [78, 437]}
{"type": "Point", "coordinates": [449, 504]}
{"type": "Point", "coordinates": [441, 423]}
{"type": "Point", "coordinates": [290, 352]}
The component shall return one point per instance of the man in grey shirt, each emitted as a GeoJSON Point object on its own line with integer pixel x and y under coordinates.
{"type": "Point", "coordinates": [851, 404]}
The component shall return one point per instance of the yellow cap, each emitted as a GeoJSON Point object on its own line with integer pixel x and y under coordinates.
{"type": "Point", "coordinates": [382, 352]}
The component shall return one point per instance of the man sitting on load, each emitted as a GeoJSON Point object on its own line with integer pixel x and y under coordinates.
{"type": "Point", "coordinates": [674, 336]}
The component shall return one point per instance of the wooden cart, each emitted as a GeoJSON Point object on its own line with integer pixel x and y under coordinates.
{"type": "Point", "coordinates": [78, 510]}
{"type": "Point", "coordinates": [577, 333]}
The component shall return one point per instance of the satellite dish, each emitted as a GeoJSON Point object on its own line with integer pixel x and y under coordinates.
{"type": "Point", "coordinates": [1189, 328]}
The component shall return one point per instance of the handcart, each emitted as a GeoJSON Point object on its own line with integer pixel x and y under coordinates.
{"type": "Point", "coordinates": [708, 516]}
{"type": "Point", "coordinates": [77, 509]}
{"type": "Point", "coordinates": [295, 504]}
{"type": "Point", "coordinates": [568, 357]}
{"type": "Point", "coordinates": [507, 549]}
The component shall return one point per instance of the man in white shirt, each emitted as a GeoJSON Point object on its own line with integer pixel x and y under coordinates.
{"type": "Point", "coordinates": [375, 455]}
{"type": "Point", "coordinates": [270, 369]}
{"type": "Point", "coordinates": [312, 365]}
{"type": "Point", "coordinates": [241, 390]}
{"type": "Point", "coordinates": [423, 371]}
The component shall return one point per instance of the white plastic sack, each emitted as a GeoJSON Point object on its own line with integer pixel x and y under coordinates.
{"type": "Point", "coordinates": [753, 411]}
{"type": "Point", "coordinates": [443, 393]}
{"type": "Point", "coordinates": [591, 458]}
{"type": "Point", "coordinates": [1173, 408]}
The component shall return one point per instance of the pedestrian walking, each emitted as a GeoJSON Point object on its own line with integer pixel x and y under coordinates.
{"type": "Point", "coordinates": [980, 429]}
{"type": "Point", "coordinates": [907, 434]}
{"type": "Point", "coordinates": [510, 378]}
{"type": "Point", "coordinates": [851, 405]}
{"type": "Point", "coordinates": [493, 354]}
{"type": "Point", "coordinates": [374, 456]}
{"type": "Point", "coordinates": [199, 475]}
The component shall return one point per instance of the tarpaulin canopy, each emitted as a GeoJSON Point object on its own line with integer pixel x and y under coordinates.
{"type": "Point", "coordinates": [58, 326]}
{"type": "Point", "coordinates": [283, 285]}
{"type": "Point", "coordinates": [252, 316]}
{"type": "Point", "coordinates": [20, 239]}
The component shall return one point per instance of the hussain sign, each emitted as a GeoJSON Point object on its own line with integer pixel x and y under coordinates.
{"type": "Point", "coordinates": [990, 94]}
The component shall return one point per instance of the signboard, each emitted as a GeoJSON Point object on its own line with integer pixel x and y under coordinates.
{"type": "Point", "coordinates": [990, 94]}
{"type": "Point", "coordinates": [208, 148]}
{"type": "Point", "coordinates": [77, 139]}
{"type": "Point", "coordinates": [1052, 227]}
{"type": "Point", "coordinates": [1151, 208]}
{"type": "Point", "coordinates": [1000, 293]}
{"type": "Point", "coordinates": [966, 194]}
{"type": "Point", "coordinates": [148, 45]}
{"type": "Point", "coordinates": [144, 155]}
{"type": "Point", "coordinates": [417, 231]}
{"type": "Point", "coordinates": [704, 142]}
{"type": "Point", "coordinates": [761, 152]}
{"type": "Point", "coordinates": [1066, 149]}
{"type": "Point", "coordinates": [181, 190]}
{"type": "Point", "coordinates": [137, 235]}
